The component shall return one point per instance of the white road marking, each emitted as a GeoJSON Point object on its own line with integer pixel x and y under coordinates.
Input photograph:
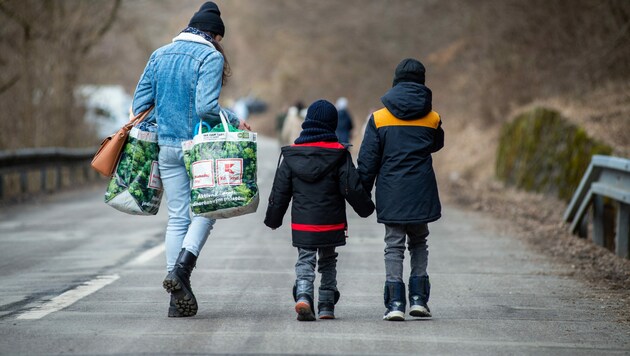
{"type": "Point", "coordinates": [147, 255]}
{"type": "Point", "coordinates": [68, 298]}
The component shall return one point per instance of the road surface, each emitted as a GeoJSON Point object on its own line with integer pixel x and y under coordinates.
{"type": "Point", "coordinates": [81, 278]}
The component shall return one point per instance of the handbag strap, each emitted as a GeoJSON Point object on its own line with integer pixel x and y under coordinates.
{"type": "Point", "coordinates": [141, 116]}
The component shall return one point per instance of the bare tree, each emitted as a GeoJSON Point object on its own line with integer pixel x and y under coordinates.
{"type": "Point", "coordinates": [44, 44]}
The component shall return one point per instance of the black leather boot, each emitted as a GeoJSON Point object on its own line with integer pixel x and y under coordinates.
{"type": "Point", "coordinates": [326, 304]}
{"type": "Point", "coordinates": [177, 282]}
{"type": "Point", "coordinates": [419, 290]}
{"type": "Point", "coordinates": [303, 296]}
{"type": "Point", "coordinates": [394, 297]}
{"type": "Point", "coordinates": [173, 311]}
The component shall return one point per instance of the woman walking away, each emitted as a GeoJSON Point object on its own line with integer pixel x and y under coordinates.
{"type": "Point", "coordinates": [318, 174]}
{"type": "Point", "coordinates": [183, 80]}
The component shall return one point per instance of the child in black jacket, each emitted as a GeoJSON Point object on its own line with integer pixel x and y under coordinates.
{"type": "Point", "coordinates": [318, 174]}
{"type": "Point", "coordinates": [396, 153]}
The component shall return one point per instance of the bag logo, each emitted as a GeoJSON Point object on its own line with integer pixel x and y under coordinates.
{"type": "Point", "coordinates": [155, 182]}
{"type": "Point", "coordinates": [202, 174]}
{"type": "Point", "coordinates": [230, 171]}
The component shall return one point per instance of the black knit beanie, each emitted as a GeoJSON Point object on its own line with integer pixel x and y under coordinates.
{"type": "Point", "coordinates": [208, 19]}
{"type": "Point", "coordinates": [320, 123]}
{"type": "Point", "coordinates": [409, 70]}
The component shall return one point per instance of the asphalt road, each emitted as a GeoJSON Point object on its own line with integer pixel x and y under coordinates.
{"type": "Point", "coordinates": [81, 278]}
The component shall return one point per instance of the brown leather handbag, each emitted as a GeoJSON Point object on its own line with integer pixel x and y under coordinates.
{"type": "Point", "coordinates": [106, 158]}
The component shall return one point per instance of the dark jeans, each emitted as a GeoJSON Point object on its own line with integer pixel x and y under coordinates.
{"type": "Point", "coordinates": [327, 266]}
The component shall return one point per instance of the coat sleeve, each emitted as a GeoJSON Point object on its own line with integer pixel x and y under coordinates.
{"type": "Point", "coordinates": [438, 140]}
{"type": "Point", "coordinates": [280, 196]}
{"type": "Point", "coordinates": [144, 96]}
{"type": "Point", "coordinates": [352, 189]}
{"type": "Point", "coordinates": [209, 87]}
{"type": "Point", "coordinates": [369, 161]}
{"type": "Point", "coordinates": [232, 118]}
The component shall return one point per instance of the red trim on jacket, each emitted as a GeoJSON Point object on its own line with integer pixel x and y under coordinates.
{"type": "Point", "coordinates": [320, 144]}
{"type": "Point", "coordinates": [317, 228]}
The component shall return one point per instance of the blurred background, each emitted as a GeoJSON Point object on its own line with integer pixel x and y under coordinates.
{"type": "Point", "coordinates": [68, 68]}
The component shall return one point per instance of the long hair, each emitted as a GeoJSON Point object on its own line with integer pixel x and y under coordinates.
{"type": "Point", "coordinates": [226, 65]}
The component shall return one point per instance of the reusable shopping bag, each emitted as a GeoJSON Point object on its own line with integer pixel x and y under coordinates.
{"type": "Point", "coordinates": [136, 187]}
{"type": "Point", "coordinates": [222, 168]}
{"type": "Point", "coordinates": [108, 154]}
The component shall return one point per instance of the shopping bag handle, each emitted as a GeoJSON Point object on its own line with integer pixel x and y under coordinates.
{"type": "Point", "coordinates": [201, 124]}
{"type": "Point", "coordinates": [224, 121]}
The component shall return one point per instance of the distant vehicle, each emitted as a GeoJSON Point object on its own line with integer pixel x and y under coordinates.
{"type": "Point", "coordinates": [254, 105]}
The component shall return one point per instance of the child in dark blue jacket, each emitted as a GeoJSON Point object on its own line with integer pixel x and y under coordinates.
{"type": "Point", "coordinates": [318, 174]}
{"type": "Point", "coordinates": [396, 152]}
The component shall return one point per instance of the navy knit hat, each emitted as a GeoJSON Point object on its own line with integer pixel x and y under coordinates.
{"type": "Point", "coordinates": [320, 123]}
{"type": "Point", "coordinates": [409, 70]}
{"type": "Point", "coordinates": [208, 19]}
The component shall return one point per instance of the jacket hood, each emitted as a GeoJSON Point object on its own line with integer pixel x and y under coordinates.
{"type": "Point", "coordinates": [408, 100]}
{"type": "Point", "coordinates": [310, 162]}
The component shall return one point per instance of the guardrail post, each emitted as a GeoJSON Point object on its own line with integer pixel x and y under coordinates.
{"type": "Point", "coordinates": [598, 220]}
{"type": "Point", "coordinates": [622, 239]}
{"type": "Point", "coordinates": [59, 176]}
{"type": "Point", "coordinates": [582, 229]}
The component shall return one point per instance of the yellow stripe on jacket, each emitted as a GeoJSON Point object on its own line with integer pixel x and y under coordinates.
{"type": "Point", "coordinates": [383, 117]}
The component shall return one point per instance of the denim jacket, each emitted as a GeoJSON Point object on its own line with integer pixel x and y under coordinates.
{"type": "Point", "coordinates": [183, 80]}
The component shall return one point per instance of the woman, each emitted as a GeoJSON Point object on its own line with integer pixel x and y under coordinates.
{"type": "Point", "coordinates": [183, 80]}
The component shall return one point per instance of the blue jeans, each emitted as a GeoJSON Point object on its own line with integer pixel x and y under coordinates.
{"type": "Point", "coordinates": [182, 231]}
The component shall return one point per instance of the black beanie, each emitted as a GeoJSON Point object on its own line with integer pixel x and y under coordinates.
{"type": "Point", "coordinates": [409, 70]}
{"type": "Point", "coordinates": [320, 123]}
{"type": "Point", "coordinates": [208, 19]}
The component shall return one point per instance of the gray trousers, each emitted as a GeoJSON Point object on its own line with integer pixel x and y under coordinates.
{"type": "Point", "coordinates": [327, 266]}
{"type": "Point", "coordinates": [416, 237]}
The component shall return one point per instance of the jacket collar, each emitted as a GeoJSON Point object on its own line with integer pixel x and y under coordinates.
{"type": "Point", "coordinates": [191, 37]}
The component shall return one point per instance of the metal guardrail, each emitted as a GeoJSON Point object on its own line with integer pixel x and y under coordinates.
{"type": "Point", "coordinates": [606, 177]}
{"type": "Point", "coordinates": [30, 171]}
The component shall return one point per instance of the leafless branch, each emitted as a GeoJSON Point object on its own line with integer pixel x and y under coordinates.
{"type": "Point", "coordinates": [13, 15]}
{"type": "Point", "coordinates": [11, 82]}
{"type": "Point", "coordinates": [103, 30]}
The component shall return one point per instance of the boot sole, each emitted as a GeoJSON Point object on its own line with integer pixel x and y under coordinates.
{"type": "Point", "coordinates": [173, 312]}
{"type": "Point", "coordinates": [304, 312]}
{"type": "Point", "coordinates": [394, 316]}
{"type": "Point", "coordinates": [185, 301]}
{"type": "Point", "coordinates": [326, 316]}
{"type": "Point", "coordinates": [419, 312]}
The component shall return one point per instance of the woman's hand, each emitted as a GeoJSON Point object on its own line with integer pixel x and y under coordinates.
{"type": "Point", "coordinates": [244, 126]}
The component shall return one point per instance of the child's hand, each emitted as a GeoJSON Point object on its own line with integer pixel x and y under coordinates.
{"type": "Point", "coordinates": [244, 126]}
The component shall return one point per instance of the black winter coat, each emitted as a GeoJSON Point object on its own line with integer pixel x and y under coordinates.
{"type": "Point", "coordinates": [396, 152]}
{"type": "Point", "coordinates": [319, 177]}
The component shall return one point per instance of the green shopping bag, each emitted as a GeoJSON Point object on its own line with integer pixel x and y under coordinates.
{"type": "Point", "coordinates": [222, 166]}
{"type": "Point", "coordinates": [136, 187]}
